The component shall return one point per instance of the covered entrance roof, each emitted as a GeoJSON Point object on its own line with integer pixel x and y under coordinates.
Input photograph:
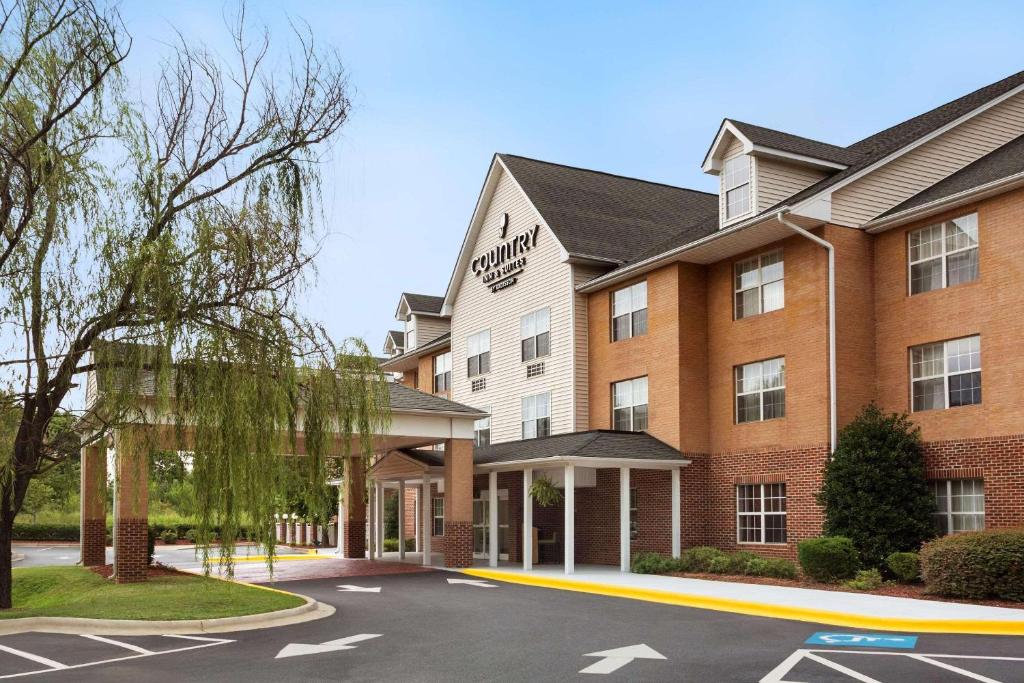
{"type": "Point", "coordinates": [594, 448]}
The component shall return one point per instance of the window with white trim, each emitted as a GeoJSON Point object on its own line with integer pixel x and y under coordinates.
{"type": "Point", "coordinates": [945, 374]}
{"type": "Point", "coordinates": [535, 334]}
{"type": "Point", "coordinates": [442, 372]}
{"type": "Point", "coordinates": [478, 352]}
{"type": "Point", "coordinates": [959, 505]}
{"type": "Point", "coordinates": [438, 516]}
{"type": "Point", "coordinates": [761, 513]}
{"type": "Point", "coordinates": [761, 390]}
{"type": "Point", "coordinates": [943, 255]}
{"type": "Point", "coordinates": [629, 405]}
{"type": "Point", "coordinates": [482, 429]}
{"type": "Point", "coordinates": [634, 513]}
{"type": "Point", "coordinates": [736, 186]}
{"type": "Point", "coordinates": [629, 311]}
{"type": "Point", "coordinates": [536, 416]}
{"type": "Point", "coordinates": [759, 285]}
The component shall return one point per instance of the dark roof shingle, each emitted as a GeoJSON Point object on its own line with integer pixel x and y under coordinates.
{"type": "Point", "coordinates": [597, 443]}
{"type": "Point", "coordinates": [424, 303]}
{"type": "Point", "coordinates": [405, 398]}
{"type": "Point", "coordinates": [796, 144]}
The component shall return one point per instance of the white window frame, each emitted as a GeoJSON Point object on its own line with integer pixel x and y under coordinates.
{"type": "Point", "coordinates": [762, 514]}
{"type": "Point", "coordinates": [435, 516]}
{"type": "Point", "coordinates": [945, 374]}
{"type": "Point", "coordinates": [945, 487]}
{"type": "Point", "coordinates": [481, 343]}
{"type": "Point", "coordinates": [761, 390]}
{"type": "Point", "coordinates": [531, 327]}
{"type": "Point", "coordinates": [532, 405]}
{"type": "Point", "coordinates": [444, 360]}
{"type": "Point", "coordinates": [761, 283]}
{"type": "Point", "coordinates": [944, 254]}
{"type": "Point", "coordinates": [634, 301]}
{"type": "Point", "coordinates": [729, 176]}
{"type": "Point", "coordinates": [482, 425]}
{"type": "Point", "coordinates": [634, 514]}
{"type": "Point", "coordinates": [638, 396]}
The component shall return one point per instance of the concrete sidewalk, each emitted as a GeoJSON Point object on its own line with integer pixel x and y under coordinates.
{"type": "Point", "coordinates": [860, 610]}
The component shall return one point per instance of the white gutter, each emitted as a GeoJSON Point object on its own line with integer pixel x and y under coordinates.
{"type": "Point", "coordinates": [781, 216]}
{"type": "Point", "coordinates": [586, 461]}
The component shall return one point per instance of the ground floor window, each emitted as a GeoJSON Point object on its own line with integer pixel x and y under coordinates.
{"type": "Point", "coordinates": [761, 513]}
{"type": "Point", "coordinates": [438, 504]}
{"type": "Point", "coordinates": [959, 505]}
{"type": "Point", "coordinates": [634, 531]}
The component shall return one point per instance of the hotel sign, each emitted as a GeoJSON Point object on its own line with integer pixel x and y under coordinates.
{"type": "Point", "coordinates": [499, 268]}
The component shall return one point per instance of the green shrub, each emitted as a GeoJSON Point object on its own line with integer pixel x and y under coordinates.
{"type": "Point", "coordinates": [190, 535]}
{"type": "Point", "coordinates": [699, 559]}
{"type": "Point", "coordinates": [169, 536]}
{"type": "Point", "coordinates": [739, 560]}
{"type": "Point", "coordinates": [45, 532]}
{"type": "Point", "coordinates": [865, 580]}
{"type": "Point", "coordinates": [651, 563]}
{"type": "Point", "coordinates": [829, 558]}
{"type": "Point", "coordinates": [390, 545]}
{"type": "Point", "coordinates": [985, 564]}
{"type": "Point", "coordinates": [775, 568]}
{"type": "Point", "coordinates": [874, 490]}
{"type": "Point", "coordinates": [720, 565]}
{"type": "Point", "coordinates": [150, 546]}
{"type": "Point", "coordinates": [906, 567]}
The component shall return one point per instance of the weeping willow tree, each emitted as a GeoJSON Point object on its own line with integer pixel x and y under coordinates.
{"type": "Point", "coordinates": [158, 237]}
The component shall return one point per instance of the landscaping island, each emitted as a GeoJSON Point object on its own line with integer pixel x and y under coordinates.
{"type": "Point", "coordinates": [80, 592]}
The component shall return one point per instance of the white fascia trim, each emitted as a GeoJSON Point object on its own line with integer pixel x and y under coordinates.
{"type": "Point", "coordinates": [759, 150]}
{"type": "Point", "coordinates": [951, 202]}
{"type": "Point", "coordinates": [911, 146]}
{"type": "Point", "coordinates": [634, 463]}
{"type": "Point", "coordinates": [711, 164]}
{"type": "Point", "coordinates": [439, 413]}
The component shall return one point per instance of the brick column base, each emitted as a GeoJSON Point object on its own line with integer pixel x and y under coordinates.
{"type": "Point", "coordinates": [355, 539]}
{"type": "Point", "coordinates": [94, 542]}
{"type": "Point", "coordinates": [131, 559]}
{"type": "Point", "coordinates": [458, 544]}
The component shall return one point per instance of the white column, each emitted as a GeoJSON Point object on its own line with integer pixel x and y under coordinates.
{"type": "Point", "coordinates": [417, 529]}
{"type": "Point", "coordinates": [380, 519]}
{"type": "Point", "coordinates": [570, 519]}
{"type": "Point", "coordinates": [288, 527]}
{"type": "Point", "coordinates": [492, 503]}
{"type": "Point", "coordinates": [339, 529]}
{"type": "Point", "coordinates": [426, 518]}
{"type": "Point", "coordinates": [527, 519]}
{"type": "Point", "coordinates": [371, 521]}
{"type": "Point", "coordinates": [676, 527]}
{"type": "Point", "coordinates": [624, 519]}
{"type": "Point", "coordinates": [401, 520]}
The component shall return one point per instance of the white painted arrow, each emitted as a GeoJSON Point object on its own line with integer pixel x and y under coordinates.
{"type": "Point", "coordinates": [473, 582]}
{"type": "Point", "coordinates": [613, 660]}
{"type": "Point", "coordinates": [300, 649]}
{"type": "Point", "coordinates": [349, 588]}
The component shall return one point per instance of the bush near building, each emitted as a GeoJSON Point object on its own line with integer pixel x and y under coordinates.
{"type": "Point", "coordinates": [906, 567]}
{"type": "Point", "coordinates": [874, 490]}
{"type": "Point", "coordinates": [707, 560]}
{"type": "Point", "coordinates": [979, 565]}
{"type": "Point", "coordinates": [829, 558]}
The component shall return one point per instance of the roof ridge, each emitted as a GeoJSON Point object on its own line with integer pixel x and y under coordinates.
{"type": "Point", "coordinates": [607, 173]}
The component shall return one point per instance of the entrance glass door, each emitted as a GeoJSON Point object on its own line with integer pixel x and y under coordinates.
{"type": "Point", "coordinates": [481, 525]}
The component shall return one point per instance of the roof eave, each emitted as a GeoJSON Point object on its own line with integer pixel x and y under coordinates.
{"type": "Point", "coordinates": [649, 463]}
{"type": "Point", "coordinates": [761, 150]}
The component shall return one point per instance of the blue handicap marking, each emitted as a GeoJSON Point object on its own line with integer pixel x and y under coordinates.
{"type": "Point", "coordinates": [862, 640]}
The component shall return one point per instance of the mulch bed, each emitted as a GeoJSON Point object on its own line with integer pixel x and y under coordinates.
{"type": "Point", "coordinates": [893, 590]}
{"type": "Point", "coordinates": [107, 570]}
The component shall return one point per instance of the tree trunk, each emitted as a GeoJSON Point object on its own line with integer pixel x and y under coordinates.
{"type": "Point", "coordinates": [6, 532]}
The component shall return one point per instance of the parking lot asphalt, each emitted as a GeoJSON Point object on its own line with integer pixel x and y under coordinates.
{"type": "Point", "coordinates": [423, 627]}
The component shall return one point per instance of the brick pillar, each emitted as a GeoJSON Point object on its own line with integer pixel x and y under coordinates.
{"type": "Point", "coordinates": [354, 507]}
{"type": "Point", "coordinates": [94, 505]}
{"type": "Point", "coordinates": [458, 503]}
{"type": "Point", "coordinates": [131, 557]}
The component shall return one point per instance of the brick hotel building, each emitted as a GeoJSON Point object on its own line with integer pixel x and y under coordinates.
{"type": "Point", "coordinates": [678, 363]}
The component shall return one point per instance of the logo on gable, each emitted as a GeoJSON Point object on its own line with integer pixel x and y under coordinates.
{"type": "Point", "coordinates": [503, 228]}
{"type": "Point", "coordinates": [498, 267]}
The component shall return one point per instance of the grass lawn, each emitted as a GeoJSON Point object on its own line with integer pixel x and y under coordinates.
{"type": "Point", "coordinates": [78, 592]}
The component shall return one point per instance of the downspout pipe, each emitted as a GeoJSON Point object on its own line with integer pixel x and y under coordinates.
{"type": "Point", "coordinates": [781, 217]}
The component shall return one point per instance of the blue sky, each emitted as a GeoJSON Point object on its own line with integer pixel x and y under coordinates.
{"type": "Point", "coordinates": [631, 88]}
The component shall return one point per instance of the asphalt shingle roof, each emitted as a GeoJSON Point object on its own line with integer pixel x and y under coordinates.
{"type": "Point", "coordinates": [597, 443]}
{"type": "Point", "coordinates": [424, 303]}
{"type": "Point", "coordinates": [397, 337]}
{"type": "Point", "coordinates": [404, 398]}
{"type": "Point", "coordinates": [610, 217]}
{"type": "Point", "coordinates": [433, 344]}
{"type": "Point", "coordinates": [425, 456]}
{"type": "Point", "coordinates": [795, 144]}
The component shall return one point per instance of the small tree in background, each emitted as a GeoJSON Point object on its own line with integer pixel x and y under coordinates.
{"type": "Point", "coordinates": [875, 492]}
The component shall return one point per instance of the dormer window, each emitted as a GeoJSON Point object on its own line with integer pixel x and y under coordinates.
{"type": "Point", "coordinates": [736, 186]}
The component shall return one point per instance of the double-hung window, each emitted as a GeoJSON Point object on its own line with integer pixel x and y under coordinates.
{"type": "Point", "coordinates": [736, 186]}
{"type": "Point", "coordinates": [442, 372]}
{"type": "Point", "coordinates": [629, 311]}
{"type": "Point", "coordinates": [759, 284]}
{"type": "Point", "coordinates": [946, 374]}
{"type": "Point", "coordinates": [536, 416]}
{"type": "Point", "coordinates": [761, 513]}
{"type": "Point", "coordinates": [482, 429]}
{"type": "Point", "coordinates": [438, 516]}
{"type": "Point", "coordinates": [478, 361]}
{"type": "Point", "coordinates": [629, 405]}
{"type": "Point", "coordinates": [959, 505]}
{"type": "Point", "coordinates": [944, 255]}
{"type": "Point", "coordinates": [535, 334]}
{"type": "Point", "coordinates": [761, 390]}
{"type": "Point", "coordinates": [634, 514]}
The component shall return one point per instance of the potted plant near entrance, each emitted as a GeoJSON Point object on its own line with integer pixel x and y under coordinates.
{"type": "Point", "coordinates": [544, 492]}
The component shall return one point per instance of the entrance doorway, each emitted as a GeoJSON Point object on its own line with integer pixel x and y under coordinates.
{"type": "Point", "coordinates": [482, 527]}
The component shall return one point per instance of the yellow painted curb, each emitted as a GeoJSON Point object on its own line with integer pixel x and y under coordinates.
{"type": "Point", "coordinates": [757, 609]}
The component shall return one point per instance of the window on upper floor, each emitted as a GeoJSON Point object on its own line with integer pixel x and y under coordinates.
{"type": "Point", "coordinates": [536, 416]}
{"type": "Point", "coordinates": [761, 513]}
{"type": "Point", "coordinates": [759, 284]}
{"type": "Point", "coordinates": [535, 334]}
{"type": "Point", "coordinates": [943, 255]}
{"type": "Point", "coordinates": [478, 361]}
{"type": "Point", "coordinates": [442, 372]}
{"type": "Point", "coordinates": [629, 311]}
{"type": "Point", "coordinates": [482, 429]}
{"type": "Point", "coordinates": [946, 374]}
{"type": "Point", "coordinates": [736, 186]}
{"type": "Point", "coordinates": [761, 390]}
{"type": "Point", "coordinates": [959, 505]}
{"type": "Point", "coordinates": [629, 405]}
{"type": "Point", "coordinates": [410, 338]}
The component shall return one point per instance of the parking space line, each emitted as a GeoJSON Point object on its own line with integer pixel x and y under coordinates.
{"type": "Point", "coordinates": [35, 658]}
{"type": "Point", "coordinates": [955, 669]}
{"type": "Point", "coordinates": [841, 669]}
{"type": "Point", "coordinates": [110, 641]}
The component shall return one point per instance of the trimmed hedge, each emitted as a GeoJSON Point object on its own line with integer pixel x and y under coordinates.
{"type": "Point", "coordinates": [714, 561]}
{"type": "Point", "coordinates": [45, 532]}
{"type": "Point", "coordinates": [979, 565]}
{"type": "Point", "coordinates": [865, 580]}
{"type": "Point", "coordinates": [829, 558]}
{"type": "Point", "coordinates": [906, 567]}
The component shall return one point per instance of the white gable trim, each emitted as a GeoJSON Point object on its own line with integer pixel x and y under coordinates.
{"type": "Point", "coordinates": [712, 161]}
{"type": "Point", "coordinates": [761, 150]}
